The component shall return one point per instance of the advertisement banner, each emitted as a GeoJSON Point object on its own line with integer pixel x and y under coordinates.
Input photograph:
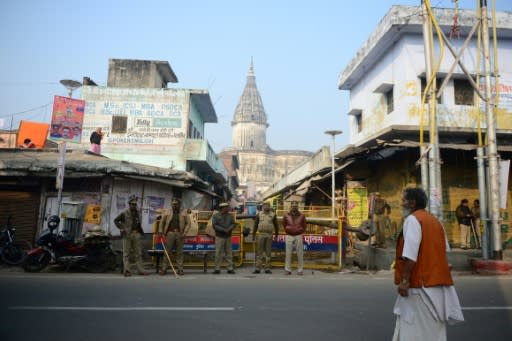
{"type": "Point", "coordinates": [67, 118]}
{"type": "Point", "coordinates": [357, 205]}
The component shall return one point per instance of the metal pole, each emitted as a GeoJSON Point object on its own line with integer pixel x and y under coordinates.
{"type": "Point", "coordinates": [492, 149]}
{"type": "Point", "coordinates": [333, 179]}
{"type": "Point", "coordinates": [424, 168]}
{"type": "Point", "coordinates": [333, 133]}
{"type": "Point", "coordinates": [483, 201]}
{"type": "Point", "coordinates": [59, 184]}
{"type": "Point", "coordinates": [435, 187]}
{"type": "Point", "coordinates": [427, 31]}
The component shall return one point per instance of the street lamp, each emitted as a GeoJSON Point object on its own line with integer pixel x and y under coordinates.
{"type": "Point", "coordinates": [71, 85]}
{"type": "Point", "coordinates": [333, 133]}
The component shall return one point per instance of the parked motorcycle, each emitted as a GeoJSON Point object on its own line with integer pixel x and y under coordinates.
{"type": "Point", "coordinates": [93, 253]}
{"type": "Point", "coordinates": [11, 253]}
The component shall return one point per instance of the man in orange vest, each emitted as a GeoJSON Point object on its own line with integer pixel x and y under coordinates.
{"type": "Point", "coordinates": [427, 299]}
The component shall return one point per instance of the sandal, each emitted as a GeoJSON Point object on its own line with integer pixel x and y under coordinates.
{"type": "Point", "coordinates": [127, 274]}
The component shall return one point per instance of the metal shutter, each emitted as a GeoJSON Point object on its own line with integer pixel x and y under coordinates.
{"type": "Point", "coordinates": [23, 207]}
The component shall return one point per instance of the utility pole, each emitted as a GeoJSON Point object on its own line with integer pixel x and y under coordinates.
{"type": "Point", "coordinates": [333, 133]}
{"type": "Point", "coordinates": [434, 163]}
{"type": "Point", "coordinates": [492, 149]}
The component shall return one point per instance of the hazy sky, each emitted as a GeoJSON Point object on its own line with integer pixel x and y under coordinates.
{"type": "Point", "coordinates": [299, 49]}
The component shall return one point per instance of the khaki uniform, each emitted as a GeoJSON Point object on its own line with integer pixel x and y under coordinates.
{"type": "Point", "coordinates": [174, 227]}
{"type": "Point", "coordinates": [128, 222]}
{"type": "Point", "coordinates": [265, 224]}
{"type": "Point", "coordinates": [223, 224]}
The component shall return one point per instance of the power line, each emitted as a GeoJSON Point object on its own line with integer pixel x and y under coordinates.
{"type": "Point", "coordinates": [23, 112]}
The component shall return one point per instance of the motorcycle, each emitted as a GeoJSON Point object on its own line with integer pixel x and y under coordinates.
{"type": "Point", "coordinates": [11, 253]}
{"type": "Point", "coordinates": [94, 253]}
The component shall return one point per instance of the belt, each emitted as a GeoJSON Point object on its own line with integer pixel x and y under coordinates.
{"type": "Point", "coordinates": [173, 230]}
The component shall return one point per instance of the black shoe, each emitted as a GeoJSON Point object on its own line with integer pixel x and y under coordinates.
{"type": "Point", "coordinates": [268, 271]}
{"type": "Point", "coordinates": [256, 272]}
{"type": "Point", "coordinates": [231, 272]}
{"type": "Point", "coordinates": [216, 272]}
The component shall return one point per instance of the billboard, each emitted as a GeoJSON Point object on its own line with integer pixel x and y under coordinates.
{"type": "Point", "coordinates": [67, 118]}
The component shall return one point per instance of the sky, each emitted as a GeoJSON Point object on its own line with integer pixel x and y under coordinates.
{"type": "Point", "coordinates": [299, 48]}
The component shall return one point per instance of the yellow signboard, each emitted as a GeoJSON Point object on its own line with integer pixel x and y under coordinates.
{"type": "Point", "coordinates": [357, 205]}
{"type": "Point", "coordinates": [93, 214]}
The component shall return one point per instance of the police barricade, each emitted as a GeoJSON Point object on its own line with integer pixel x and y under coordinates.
{"type": "Point", "coordinates": [197, 249]}
{"type": "Point", "coordinates": [322, 241]}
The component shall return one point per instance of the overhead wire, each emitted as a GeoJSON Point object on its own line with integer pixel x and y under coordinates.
{"type": "Point", "coordinates": [25, 111]}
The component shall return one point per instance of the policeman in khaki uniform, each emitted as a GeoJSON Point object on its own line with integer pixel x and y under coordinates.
{"type": "Point", "coordinates": [265, 223]}
{"type": "Point", "coordinates": [128, 222]}
{"type": "Point", "coordinates": [174, 225]}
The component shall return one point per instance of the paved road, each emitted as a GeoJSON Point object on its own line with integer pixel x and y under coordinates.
{"type": "Point", "coordinates": [319, 306]}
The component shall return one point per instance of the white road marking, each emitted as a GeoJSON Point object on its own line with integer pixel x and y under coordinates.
{"type": "Point", "coordinates": [123, 308]}
{"type": "Point", "coordinates": [486, 308]}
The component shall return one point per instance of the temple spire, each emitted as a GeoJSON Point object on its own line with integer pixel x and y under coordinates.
{"type": "Point", "coordinates": [250, 120]}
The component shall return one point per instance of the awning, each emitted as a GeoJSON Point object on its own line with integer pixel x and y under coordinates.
{"type": "Point", "coordinates": [340, 168]}
{"type": "Point", "coordinates": [303, 188]}
{"type": "Point", "coordinates": [175, 183]}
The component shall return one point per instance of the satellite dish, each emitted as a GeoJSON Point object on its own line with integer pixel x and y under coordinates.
{"type": "Point", "coordinates": [71, 85]}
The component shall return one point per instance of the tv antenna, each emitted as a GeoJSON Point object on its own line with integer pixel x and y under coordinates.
{"type": "Point", "coordinates": [71, 85]}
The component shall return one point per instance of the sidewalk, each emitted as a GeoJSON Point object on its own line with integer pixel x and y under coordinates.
{"type": "Point", "coordinates": [461, 260]}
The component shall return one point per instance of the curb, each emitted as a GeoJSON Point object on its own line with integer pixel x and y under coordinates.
{"type": "Point", "coordinates": [491, 267]}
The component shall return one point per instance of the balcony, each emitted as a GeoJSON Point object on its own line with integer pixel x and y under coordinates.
{"type": "Point", "coordinates": [201, 158]}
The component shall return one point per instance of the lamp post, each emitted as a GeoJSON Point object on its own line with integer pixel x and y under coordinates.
{"type": "Point", "coordinates": [333, 133]}
{"type": "Point", "coordinates": [71, 85]}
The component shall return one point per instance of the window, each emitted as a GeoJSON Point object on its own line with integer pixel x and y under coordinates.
{"type": "Point", "coordinates": [424, 84]}
{"type": "Point", "coordinates": [463, 92]}
{"type": "Point", "coordinates": [359, 122]}
{"type": "Point", "coordinates": [119, 124]}
{"type": "Point", "coordinates": [190, 129]}
{"type": "Point", "coordinates": [388, 95]}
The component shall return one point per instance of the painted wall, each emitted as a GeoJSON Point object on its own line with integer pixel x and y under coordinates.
{"type": "Point", "coordinates": [459, 177]}
{"type": "Point", "coordinates": [157, 121]}
{"type": "Point", "coordinates": [401, 66]}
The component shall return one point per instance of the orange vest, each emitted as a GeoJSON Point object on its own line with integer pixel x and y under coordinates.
{"type": "Point", "coordinates": [431, 268]}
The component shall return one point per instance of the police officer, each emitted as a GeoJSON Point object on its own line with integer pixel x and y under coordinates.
{"type": "Point", "coordinates": [128, 222]}
{"type": "Point", "coordinates": [223, 224]}
{"type": "Point", "coordinates": [174, 225]}
{"type": "Point", "coordinates": [265, 223]}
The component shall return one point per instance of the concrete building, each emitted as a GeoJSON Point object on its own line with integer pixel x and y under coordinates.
{"type": "Point", "coordinates": [259, 165]}
{"type": "Point", "coordinates": [146, 122]}
{"type": "Point", "coordinates": [386, 79]}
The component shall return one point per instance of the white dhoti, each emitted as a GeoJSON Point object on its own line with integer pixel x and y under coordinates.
{"type": "Point", "coordinates": [416, 322]}
{"type": "Point", "coordinates": [424, 314]}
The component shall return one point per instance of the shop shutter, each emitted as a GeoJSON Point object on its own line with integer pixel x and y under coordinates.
{"type": "Point", "coordinates": [23, 207]}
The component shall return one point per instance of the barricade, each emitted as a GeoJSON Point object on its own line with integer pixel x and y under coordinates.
{"type": "Point", "coordinates": [197, 249]}
{"type": "Point", "coordinates": [322, 243]}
